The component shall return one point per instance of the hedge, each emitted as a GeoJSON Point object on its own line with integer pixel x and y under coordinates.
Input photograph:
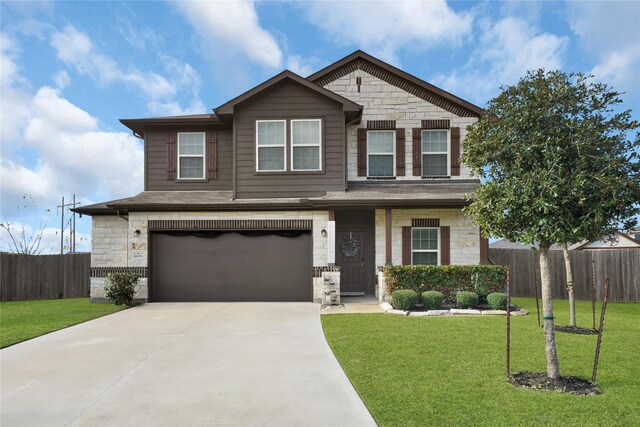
{"type": "Point", "coordinates": [448, 279]}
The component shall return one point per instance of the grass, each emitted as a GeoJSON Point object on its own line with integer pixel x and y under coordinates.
{"type": "Point", "coordinates": [23, 320]}
{"type": "Point", "coordinates": [413, 371]}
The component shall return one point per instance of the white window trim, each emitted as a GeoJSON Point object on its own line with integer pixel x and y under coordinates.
{"type": "Point", "coordinates": [284, 146]}
{"type": "Point", "coordinates": [393, 153]}
{"type": "Point", "coordinates": [437, 250]}
{"type": "Point", "coordinates": [203, 155]}
{"type": "Point", "coordinates": [448, 152]}
{"type": "Point", "coordinates": [319, 145]}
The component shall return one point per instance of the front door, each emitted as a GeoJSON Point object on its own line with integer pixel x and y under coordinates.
{"type": "Point", "coordinates": [350, 256]}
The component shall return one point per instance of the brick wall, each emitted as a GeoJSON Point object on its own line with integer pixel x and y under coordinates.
{"type": "Point", "coordinates": [383, 101]}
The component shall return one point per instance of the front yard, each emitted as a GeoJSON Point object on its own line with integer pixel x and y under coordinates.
{"type": "Point", "coordinates": [413, 371]}
{"type": "Point", "coordinates": [23, 320]}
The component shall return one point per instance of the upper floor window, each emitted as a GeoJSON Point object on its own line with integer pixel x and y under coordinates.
{"type": "Point", "coordinates": [435, 152]}
{"type": "Point", "coordinates": [424, 245]}
{"type": "Point", "coordinates": [380, 152]}
{"type": "Point", "coordinates": [191, 155]}
{"type": "Point", "coordinates": [271, 142]}
{"type": "Point", "coordinates": [305, 145]}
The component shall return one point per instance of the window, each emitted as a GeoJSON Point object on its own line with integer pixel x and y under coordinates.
{"type": "Point", "coordinates": [271, 140]}
{"type": "Point", "coordinates": [380, 148]}
{"type": "Point", "coordinates": [305, 145]}
{"type": "Point", "coordinates": [435, 153]}
{"type": "Point", "coordinates": [424, 246]}
{"type": "Point", "coordinates": [191, 155]}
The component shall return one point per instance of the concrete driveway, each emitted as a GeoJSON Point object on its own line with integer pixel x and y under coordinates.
{"type": "Point", "coordinates": [182, 364]}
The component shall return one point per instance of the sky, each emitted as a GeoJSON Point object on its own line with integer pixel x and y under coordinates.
{"type": "Point", "coordinates": [70, 70]}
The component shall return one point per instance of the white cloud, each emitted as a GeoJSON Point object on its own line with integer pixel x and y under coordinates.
{"type": "Point", "coordinates": [14, 102]}
{"type": "Point", "coordinates": [48, 236]}
{"type": "Point", "coordinates": [382, 27]}
{"type": "Point", "coordinates": [61, 79]}
{"type": "Point", "coordinates": [302, 66]}
{"type": "Point", "coordinates": [507, 49]}
{"type": "Point", "coordinates": [228, 26]}
{"type": "Point", "coordinates": [609, 33]}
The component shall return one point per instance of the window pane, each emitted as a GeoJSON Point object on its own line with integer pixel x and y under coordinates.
{"type": "Point", "coordinates": [271, 133]}
{"type": "Point", "coordinates": [270, 158]}
{"type": "Point", "coordinates": [380, 142]}
{"type": "Point", "coordinates": [428, 258]}
{"type": "Point", "coordinates": [434, 164]}
{"type": "Point", "coordinates": [191, 167]}
{"type": "Point", "coordinates": [381, 165]}
{"type": "Point", "coordinates": [306, 158]}
{"type": "Point", "coordinates": [425, 239]}
{"type": "Point", "coordinates": [192, 144]}
{"type": "Point", "coordinates": [306, 132]}
{"type": "Point", "coordinates": [434, 141]}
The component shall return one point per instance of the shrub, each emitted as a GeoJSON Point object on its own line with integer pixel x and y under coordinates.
{"type": "Point", "coordinates": [481, 279]}
{"type": "Point", "coordinates": [120, 288]}
{"type": "Point", "coordinates": [466, 299]}
{"type": "Point", "coordinates": [497, 300]}
{"type": "Point", "coordinates": [404, 299]}
{"type": "Point", "coordinates": [432, 299]}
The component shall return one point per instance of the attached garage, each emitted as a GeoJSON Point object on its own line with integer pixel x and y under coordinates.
{"type": "Point", "coordinates": [231, 266]}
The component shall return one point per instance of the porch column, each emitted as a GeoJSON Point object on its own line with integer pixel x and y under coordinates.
{"type": "Point", "coordinates": [331, 238]}
{"type": "Point", "coordinates": [387, 235]}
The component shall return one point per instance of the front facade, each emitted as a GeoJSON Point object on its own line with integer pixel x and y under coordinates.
{"type": "Point", "coordinates": [292, 185]}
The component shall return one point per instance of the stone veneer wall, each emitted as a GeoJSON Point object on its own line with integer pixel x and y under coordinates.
{"type": "Point", "coordinates": [383, 101]}
{"type": "Point", "coordinates": [115, 245]}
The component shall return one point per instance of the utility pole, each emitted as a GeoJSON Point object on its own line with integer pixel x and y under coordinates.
{"type": "Point", "coordinates": [72, 234]}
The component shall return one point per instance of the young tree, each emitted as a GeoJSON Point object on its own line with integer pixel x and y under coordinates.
{"type": "Point", "coordinates": [558, 168]}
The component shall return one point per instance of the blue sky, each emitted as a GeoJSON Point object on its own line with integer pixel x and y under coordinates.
{"type": "Point", "coordinates": [70, 70]}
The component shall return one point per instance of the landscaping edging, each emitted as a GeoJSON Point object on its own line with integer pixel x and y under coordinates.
{"type": "Point", "coordinates": [388, 309]}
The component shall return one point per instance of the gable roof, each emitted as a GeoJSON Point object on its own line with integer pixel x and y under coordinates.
{"type": "Point", "coordinates": [348, 106]}
{"type": "Point", "coordinates": [360, 60]}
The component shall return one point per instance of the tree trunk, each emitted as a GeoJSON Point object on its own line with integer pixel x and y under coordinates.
{"type": "Point", "coordinates": [553, 369]}
{"type": "Point", "coordinates": [570, 288]}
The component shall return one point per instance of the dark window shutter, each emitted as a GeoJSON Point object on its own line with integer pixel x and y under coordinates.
{"type": "Point", "coordinates": [406, 246]}
{"type": "Point", "coordinates": [171, 155]}
{"type": "Point", "coordinates": [484, 249]}
{"type": "Point", "coordinates": [455, 151]}
{"type": "Point", "coordinates": [362, 152]}
{"type": "Point", "coordinates": [417, 152]}
{"type": "Point", "coordinates": [445, 246]}
{"type": "Point", "coordinates": [212, 155]}
{"type": "Point", "coordinates": [400, 155]}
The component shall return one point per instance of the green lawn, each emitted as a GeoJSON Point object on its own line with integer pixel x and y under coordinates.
{"type": "Point", "coordinates": [23, 320]}
{"type": "Point", "coordinates": [413, 371]}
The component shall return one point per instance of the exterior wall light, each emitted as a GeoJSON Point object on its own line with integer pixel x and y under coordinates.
{"type": "Point", "coordinates": [323, 232]}
{"type": "Point", "coordinates": [136, 233]}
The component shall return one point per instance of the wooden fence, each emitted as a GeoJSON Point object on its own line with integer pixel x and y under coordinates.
{"type": "Point", "coordinates": [29, 277]}
{"type": "Point", "coordinates": [621, 266]}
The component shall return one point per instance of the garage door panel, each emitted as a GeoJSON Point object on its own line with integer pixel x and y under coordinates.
{"type": "Point", "coordinates": [231, 267]}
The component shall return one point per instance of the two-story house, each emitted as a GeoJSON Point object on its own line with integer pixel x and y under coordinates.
{"type": "Point", "coordinates": [334, 175]}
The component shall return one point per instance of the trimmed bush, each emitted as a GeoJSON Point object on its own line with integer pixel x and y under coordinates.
{"type": "Point", "coordinates": [120, 288]}
{"type": "Point", "coordinates": [481, 279]}
{"type": "Point", "coordinates": [466, 299]}
{"type": "Point", "coordinates": [404, 299]}
{"type": "Point", "coordinates": [432, 300]}
{"type": "Point", "coordinates": [497, 301]}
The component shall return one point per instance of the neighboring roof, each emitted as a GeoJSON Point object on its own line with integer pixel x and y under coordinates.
{"type": "Point", "coordinates": [348, 105]}
{"type": "Point", "coordinates": [395, 76]}
{"type": "Point", "coordinates": [441, 194]}
{"type": "Point", "coordinates": [629, 242]}
{"type": "Point", "coordinates": [138, 125]}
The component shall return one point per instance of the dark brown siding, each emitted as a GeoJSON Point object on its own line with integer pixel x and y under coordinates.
{"type": "Point", "coordinates": [156, 142]}
{"type": "Point", "coordinates": [289, 100]}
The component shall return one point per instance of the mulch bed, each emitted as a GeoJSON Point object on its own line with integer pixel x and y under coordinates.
{"type": "Point", "coordinates": [576, 330]}
{"type": "Point", "coordinates": [540, 381]}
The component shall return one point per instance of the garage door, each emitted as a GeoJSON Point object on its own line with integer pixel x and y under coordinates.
{"type": "Point", "coordinates": [232, 266]}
